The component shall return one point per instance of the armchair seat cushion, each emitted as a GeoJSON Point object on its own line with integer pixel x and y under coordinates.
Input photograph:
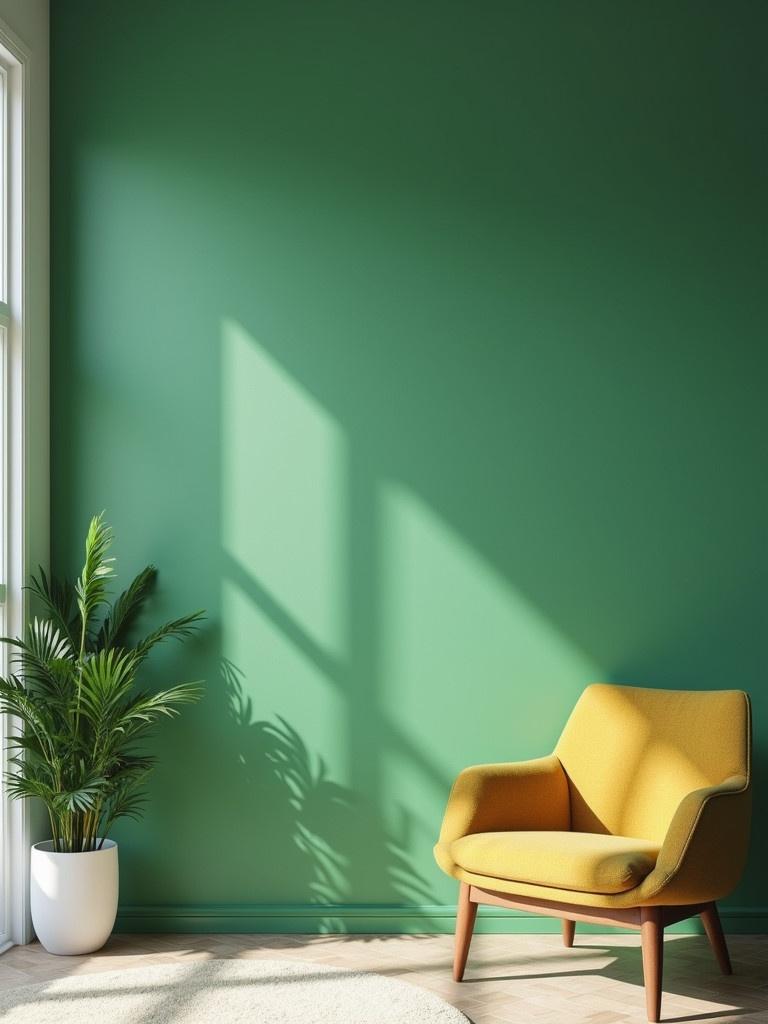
{"type": "Point", "coordinates": [579, 861]}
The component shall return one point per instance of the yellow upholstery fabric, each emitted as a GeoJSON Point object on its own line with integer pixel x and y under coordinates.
{"type": "Point", "coordinates": [524, 795]}
{"type": "Point", "coordinates": [565, 860]}
{"type": "Point", "coordinates": [671, 768]}
{"type": "Point", "coordinates": [632, 754]}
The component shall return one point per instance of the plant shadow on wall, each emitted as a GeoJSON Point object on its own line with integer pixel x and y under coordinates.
{"type": "Point", "coordinates": [356, 613]}
{"type": "Point", "coordinates": [312, 824]}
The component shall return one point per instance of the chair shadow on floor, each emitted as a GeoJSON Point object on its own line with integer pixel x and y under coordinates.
{"type": "Point", "coordinates": [690, 971]}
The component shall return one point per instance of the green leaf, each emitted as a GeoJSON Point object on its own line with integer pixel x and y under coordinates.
{"type": "Point", "coordinates": [45, 659]}
{"type": "Point", "coordinates": [97, 570]}
{"type": "Point", "coordinates": [127, 800]}
{"type": "Point", "coordinates": [19, 788]}
{"type": "Point", "coordinates": [147, 708]}
{"type": "Point", "coordinates": [59, 598]}
{"type": "Point", "coordinates": [84, 798]}
{"type": "Point", "coordinates": [106, 680]}
{"type": "Point", "coordinates": [125, 610]}
{"type": "Point", "coordinates": [33, 712]}
{"type": "Point", "coordinates": [177, 629]}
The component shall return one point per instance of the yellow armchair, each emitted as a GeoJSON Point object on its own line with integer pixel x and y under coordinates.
{"type": "Point", "coordinates": [640, 818]}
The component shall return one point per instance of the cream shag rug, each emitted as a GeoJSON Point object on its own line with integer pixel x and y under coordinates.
{"type": "Point", "coordinates": [226, 992]}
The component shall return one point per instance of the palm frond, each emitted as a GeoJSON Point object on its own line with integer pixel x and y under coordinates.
{"type": "Point", "coordinates": [178, 629]}
{"type": "Point", "coordinates": [83, 798]}
{"type": "Point", "coordinates": [24, 787]}
{"type": "Point", "coordinates": [15, 700]}
{"type": "Point", "coordinates": [126, 801]}
{"type": "Point", "coordinates": [125, 609]}
{"type": "Point", "coordinates": [129, 765]}
{"type": "Point", "coordinates": [45, 659]}
{"type": "Point", "coordinates": [147, 708]}
{"type": "Point", "coordinates": [92, 585]}
{"type": "Point", "coordinates": [29, 743]}
{"type": "Point", "coordinates": [106, 679]}
{"type": "Point", "coordinates": [47, 642]}
{"type": "Point", "coordinates": [60, 600]}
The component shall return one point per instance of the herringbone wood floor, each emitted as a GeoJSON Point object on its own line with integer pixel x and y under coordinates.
{"type": "Point", "coordinates": [510, 978]}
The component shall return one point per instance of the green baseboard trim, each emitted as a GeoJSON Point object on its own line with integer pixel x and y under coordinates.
{"type": "Point", "coordinates": [311, 919]}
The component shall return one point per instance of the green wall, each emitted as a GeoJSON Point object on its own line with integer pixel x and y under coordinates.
{"type": "Point", "coordinates": [424, 346]}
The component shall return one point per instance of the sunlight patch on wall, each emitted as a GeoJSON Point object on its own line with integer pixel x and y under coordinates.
{"type": "Point", "coordinates": [283, 488]}
{"type": "Point", "coordinates": [412, 808]}
{"type": "Point", "coordinates": [461, 649]}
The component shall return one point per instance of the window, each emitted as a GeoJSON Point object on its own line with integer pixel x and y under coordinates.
{"type": "Point", "coordinates": [13, 852]}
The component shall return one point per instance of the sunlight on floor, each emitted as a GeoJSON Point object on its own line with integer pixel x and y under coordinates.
{"type": "Point", "coordinates": [511, 978]}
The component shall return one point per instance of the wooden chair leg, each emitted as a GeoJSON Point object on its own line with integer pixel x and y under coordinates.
{"type": "Point", "coordinates": [652, 935]}
{"type": "Point", "coordinates": [465, 922]}
{"type": "Point", "coordinates": [711, 921]}
{"type": "Point", "coordinates": [569, 930]}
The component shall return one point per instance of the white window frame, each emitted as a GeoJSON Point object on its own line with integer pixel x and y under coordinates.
{"type": "Point", "coordinates": [14, 821]}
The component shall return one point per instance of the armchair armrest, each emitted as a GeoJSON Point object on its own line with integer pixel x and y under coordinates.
{"type": "Point", "coordinates": [705, 848]}
{"type": "Point", "coordinates": [516, 796]}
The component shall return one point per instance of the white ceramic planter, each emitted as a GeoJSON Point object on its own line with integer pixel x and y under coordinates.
{"type": "Point", "coordinates": [73, 897]}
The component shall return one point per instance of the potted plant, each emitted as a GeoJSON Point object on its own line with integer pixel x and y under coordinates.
{"type": "Point", "coordinates": [74, 690]}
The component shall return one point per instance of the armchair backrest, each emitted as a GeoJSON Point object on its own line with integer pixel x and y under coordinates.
{"type": "Point", "coordinates": [632, 754]}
